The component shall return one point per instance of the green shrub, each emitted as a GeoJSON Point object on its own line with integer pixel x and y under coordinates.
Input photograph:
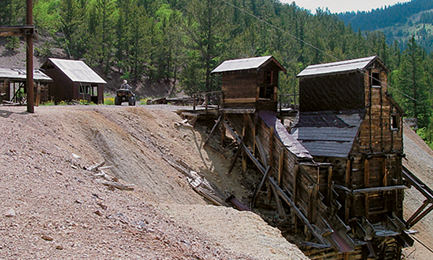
{"type": "Point", "coordinates": [109, 101]}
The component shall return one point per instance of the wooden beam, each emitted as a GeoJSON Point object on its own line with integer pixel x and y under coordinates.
{"type": "Point", "coordinates": [257, 190]}
{"type": "Point", "coordinates": [223, 134]}
{"type": "Point", "coordinates": [261, 151]}
{"type": "Point", "coordinates": [280, 205]}
{"type": "Point", "coordinates": [378, 189]}
{"type": "Point", "coordinates": [329, 185]}
{"type": "Point", "coordinates": [213, 129]}
{"type": "Point", "coordinates": [281, 166]}
{"type": "Point", "coordinates": [367, 182]}
{"type": "Point", "coordinates": [271, 146]}
{"type": "Point", "coordinates": [232, 165]}
{"type": "Point", "coordinates": [284, 196]}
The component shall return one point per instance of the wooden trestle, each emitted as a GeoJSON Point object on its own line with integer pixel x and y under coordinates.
{"type": "Point", "coordinates": [296, 180]}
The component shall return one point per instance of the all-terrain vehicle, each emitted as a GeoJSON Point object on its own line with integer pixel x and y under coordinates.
{"type": "Point", "coordinates": [124, 95]}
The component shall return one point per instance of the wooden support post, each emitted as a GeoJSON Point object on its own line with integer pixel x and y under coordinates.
{"type": "Point", "coordinates": [329, 185]}
{"type": "Point", "coordinates": [223, 134]}
{"type": "Point", "coordinates": [205, 102]}
{"type": "Point", "coordinates": [271, 146]}
{"type": "Point", "coordinates": [295, 195]}
{"type": "Point", "coordinates": [29, 60]}
{"type": "Point", "coordinates": [281, 166]}
{"type": "Point", "coordinates": [193, 104]}
{"type": "Point", "coordinates": [261, 151]}
{"type": "Point", "coordinates": [257, 190]}
{"type": "Point", "coordinates": [232, 165]}
{"type": "Point", "coordinates": [279, 203]}
{"type": "Point", "coordinates": [256, 120]}
{"type": "Point", "coordinates": [244, 155]}
{"type": "Point", "coordinates": [366, 185]}
{"type": "Point", "coordinates": [212, 130]}
{"type": "Point", "coordinates": [346, 200]}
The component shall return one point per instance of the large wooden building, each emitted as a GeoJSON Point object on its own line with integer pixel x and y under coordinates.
{"type": "Point", "coordinates": [338, 174]}
{"type": "Point", "coordinates": [74, 80]}
{"type": "Point", "coordinates": [347, 118]}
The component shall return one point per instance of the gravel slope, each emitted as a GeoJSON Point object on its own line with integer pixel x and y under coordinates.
{"type": "Point", "coordinates": [53, 207]}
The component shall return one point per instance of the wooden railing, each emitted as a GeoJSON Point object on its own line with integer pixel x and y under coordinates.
{"type": "Point", "coordinates": [210, 98]}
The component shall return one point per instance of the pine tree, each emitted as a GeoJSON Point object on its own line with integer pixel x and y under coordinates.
{"type": "Point", "coordinates": [411, 81]}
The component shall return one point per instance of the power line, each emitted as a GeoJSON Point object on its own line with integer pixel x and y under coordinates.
{"type": "Point", "coordinates": [281, 30]}
{"type": "Point", "coordinates": [312, 46]}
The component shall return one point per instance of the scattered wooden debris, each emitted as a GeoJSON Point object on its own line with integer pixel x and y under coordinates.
{"type": "Point", "coordinates": [111, 182]}
{"type": "Point", "coordinates": [199, 183]}
{"type": "Point", "coordinates": [183, 123]}
{"type": "Point", "coordinates": [116, 185]}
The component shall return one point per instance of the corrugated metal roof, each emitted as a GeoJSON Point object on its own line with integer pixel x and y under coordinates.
{"type": "Point", "coordinates": [290, 142]}
{"type": "Point", "coordinates": [21, 75]}
{"type": "Point", "coordinates": [77, 71]}
{"type": "Point", "coordinates": [328, 134]}
{"type": "Point", "coordinates": [244, 64]}
{"type": "Point", "coordinates": [338, 67]}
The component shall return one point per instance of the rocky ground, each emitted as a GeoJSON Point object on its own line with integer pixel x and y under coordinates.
{"type": "Point", "coordinates": [54, 204]}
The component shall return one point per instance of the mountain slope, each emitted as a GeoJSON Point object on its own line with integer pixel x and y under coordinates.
{"type": "Point", "coordinates": [399, 22]}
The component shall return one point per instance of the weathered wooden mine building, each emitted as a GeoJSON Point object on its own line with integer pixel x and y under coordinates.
{"type": "Point", "coordinates": [74, 80]}
{"type": "Point", "coordinates": [13, 85]}
{"type": "Point", "coordinates": [338, 173]}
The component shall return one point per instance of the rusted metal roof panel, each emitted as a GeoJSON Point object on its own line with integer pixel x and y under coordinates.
{"type": "Point", "coordinates": [328, 134]}
{"type": "Point", "coordinates": [245, 64]}
{"type": "Point", "coordinates": [337, 67]}
{"type": "Point", "coordinates": [77, 71]}
{"type": "Point", "coordinates": [21, 75]}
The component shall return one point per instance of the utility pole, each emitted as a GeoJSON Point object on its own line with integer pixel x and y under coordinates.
{"type": "Point", "coordinates": [29, 60]}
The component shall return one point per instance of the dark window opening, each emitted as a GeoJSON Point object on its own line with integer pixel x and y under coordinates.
{"type": "Point", "coordinates": [394, 122]}
{"type": "Point", "coordinates": [375, 79]}
{"type": "Point", "coordinates": [268, 77]}
{"type": "Point", "coordinates": [84, 89]}
{"type": "Point", "coordinates": [266, 92]}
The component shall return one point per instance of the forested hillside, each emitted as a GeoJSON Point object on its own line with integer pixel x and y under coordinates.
{"type": "Point", "coordinates": [178, 42]}
{"type": "Point", "coordinates": [398, 22]}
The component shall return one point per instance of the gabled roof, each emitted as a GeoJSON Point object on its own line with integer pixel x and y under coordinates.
{"type": "Point", "coordinates": [346, 66]}
{"type": "Point", "coordinates": [76, 70]}
{"type": "Point", "coordinates": [21, 75]}
{"type": "Point", "coordinates": [246, 64]}
{"type": "Point", "coordinates": [327, 133]}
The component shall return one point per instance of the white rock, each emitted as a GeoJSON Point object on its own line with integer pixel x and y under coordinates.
{"type": "Point", "coordinates": [10, 213]}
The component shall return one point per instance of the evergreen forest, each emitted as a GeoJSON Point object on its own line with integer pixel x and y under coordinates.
{"type": "Point", "coordinates": [179, 42]}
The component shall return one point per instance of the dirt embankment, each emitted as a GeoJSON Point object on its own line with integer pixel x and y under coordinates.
{"type": "Point", "coordinates": [51, 207]}
{"type": "Point", "coordinates": [419, 160]}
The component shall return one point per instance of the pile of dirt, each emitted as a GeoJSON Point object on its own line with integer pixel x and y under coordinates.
{"type": "Point", "coordinates": [54, 203]}
{"type": "Point", "coordinates": [419, 160]}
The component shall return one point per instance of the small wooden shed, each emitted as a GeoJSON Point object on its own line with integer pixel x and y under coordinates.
{"type": "Point", "coordinates": [74, 80]}
{"type": "Point", "coordinates": [250, 83]}
{"type": "Point", "coordinates": [13, 85]}
{"type": "Point", "coordinates": [348, 119]}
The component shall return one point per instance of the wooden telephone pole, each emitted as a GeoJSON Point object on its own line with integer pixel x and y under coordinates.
{"type": "Point", "coordinates": [28, 32]}
{"type": "Point", "coordinates": [29, 59]}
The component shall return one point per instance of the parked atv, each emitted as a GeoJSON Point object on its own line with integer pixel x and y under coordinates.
{"type": "Point", "coordinates": [124, 95]}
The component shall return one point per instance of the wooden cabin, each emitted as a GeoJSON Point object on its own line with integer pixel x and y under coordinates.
{"type": "Point", "coordinates": [74, 80]}
{"type": "Point", "coordinates": [348, 119]}
{"type": "Point", "coordinates": [13, 85]}
{"type": "Point", "coordinates": [250, 83]}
